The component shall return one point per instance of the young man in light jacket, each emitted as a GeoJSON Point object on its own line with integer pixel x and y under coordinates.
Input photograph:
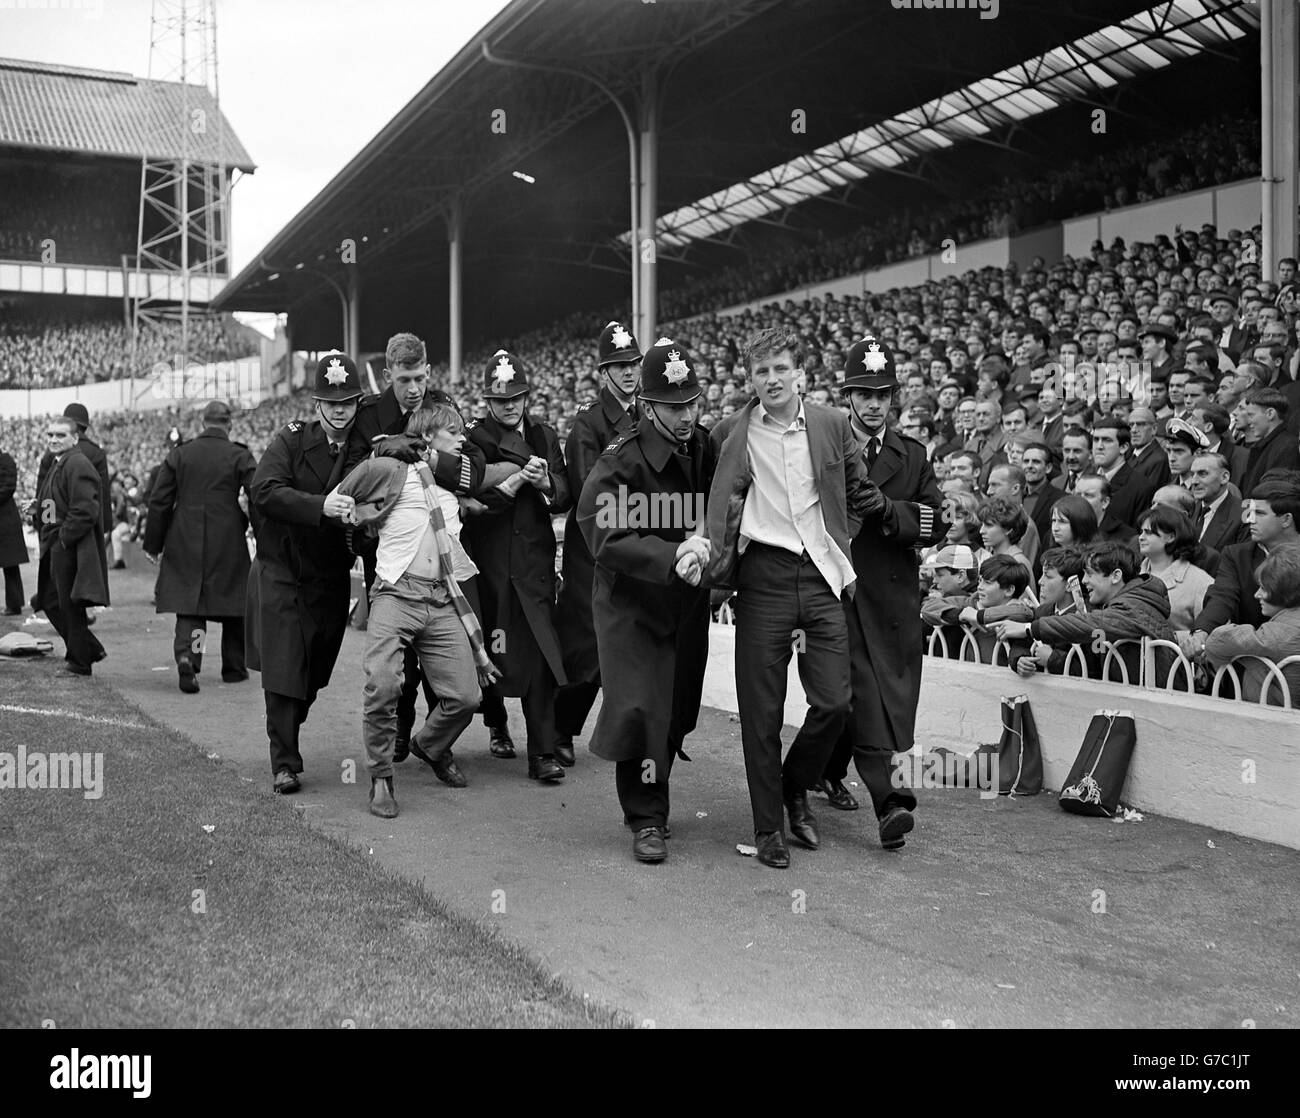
{"type": "Point", "coordinates": [416, 601]}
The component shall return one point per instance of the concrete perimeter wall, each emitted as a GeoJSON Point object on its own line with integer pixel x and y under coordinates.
{"type": "Point", "coordinates": [1191, 760]}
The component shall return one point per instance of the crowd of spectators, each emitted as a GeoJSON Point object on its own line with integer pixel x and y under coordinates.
{"type": "Point", "coordinates": [48, 350]}
{"type": "Point", "coordinates": [1218, 151]}
{"type": "Point", "coordinates": [72, 215]}
{"type": "Point", "coordinates": [1130, 417]}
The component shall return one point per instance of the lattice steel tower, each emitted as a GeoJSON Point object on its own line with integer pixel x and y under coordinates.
{"type": "Point", "coordinates": [182, 245]}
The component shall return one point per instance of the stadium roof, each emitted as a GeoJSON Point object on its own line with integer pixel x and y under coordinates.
{"type": "Point", "coordinates": [733, 71]}
{"type": "Point", "coordinates": [1082, 69]}
{"type": "Point", "coordinates": [51, 108]}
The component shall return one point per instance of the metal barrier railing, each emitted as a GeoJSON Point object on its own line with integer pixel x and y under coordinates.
{"type": "Point", "coordinates": [1150, 663]}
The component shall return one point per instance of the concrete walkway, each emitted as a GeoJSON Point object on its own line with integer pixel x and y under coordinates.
{"type": "Point", "coordinates": [985, 919]}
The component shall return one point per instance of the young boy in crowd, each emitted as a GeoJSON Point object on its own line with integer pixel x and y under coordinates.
{"type": "Point", "coordinates": [1122, 605]}
{"type": "Point", "coordinates": [1002, 580]}
{"type": "Point", "coordinates": [1059, 593]}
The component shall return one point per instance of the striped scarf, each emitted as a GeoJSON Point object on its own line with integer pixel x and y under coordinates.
{"type": "Point", "coordinates": [488, 672]}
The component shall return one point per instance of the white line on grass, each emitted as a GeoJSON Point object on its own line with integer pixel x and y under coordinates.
{"type": "Point", "coordinates": [78, 717]}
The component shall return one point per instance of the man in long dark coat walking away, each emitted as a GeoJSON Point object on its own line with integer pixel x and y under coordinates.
{"type": "Point", "coordinates": [884, 622]}
{"type": "Point", "coordinates": [300, 585]}
{"type": "Point", "coordinates": [195, 522]}
{"type": "Point", "coordinates": [639, 514]}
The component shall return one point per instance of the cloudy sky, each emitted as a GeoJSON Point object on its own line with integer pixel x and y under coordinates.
{"type": "Point", "coordinates": [305, 85]}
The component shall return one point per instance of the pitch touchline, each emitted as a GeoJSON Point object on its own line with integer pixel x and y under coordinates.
{"type": "Point", "coordinates": [78, 717]}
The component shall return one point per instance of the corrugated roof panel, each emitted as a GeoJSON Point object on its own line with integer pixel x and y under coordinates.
{"type": "Point", "coordinates": [60, 108]}
{"type": "Point", "coordinates": [1176, 29]}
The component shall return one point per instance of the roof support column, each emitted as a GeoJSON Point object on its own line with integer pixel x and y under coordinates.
{"type": "Point", "coordinates": [634, 147]}
{"type": "Point", "coordinates": [455, 239]}
{"type": "Point", "coordinates": [352, 334]}
{"type": "Point", "coordinates": [644, 247]}
{"type": "Point", "coordinates": [1279, 46]}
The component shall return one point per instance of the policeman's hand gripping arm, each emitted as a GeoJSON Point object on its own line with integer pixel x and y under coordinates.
{"type": "Point", "coordinates": [405, 448]}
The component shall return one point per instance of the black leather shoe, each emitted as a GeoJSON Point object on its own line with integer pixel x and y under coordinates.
{"type": "Point", "coordinates": [500, 744]}
{"type": "Point", "coordinates": [401, 747]}
{"type": "Point", "coordinates": [382, 802]}
{"type": "Point", "coordinates": [894, 824]}
{"type": "Point", "coordinates": [546, 768]}
{"type": "Point", "coordinates": [189, 684]}
{"type": "Point", "coordinates": [430, 760]}
{"type": "Point", "coordinates": [838, 796]}
{"type": "Point", "coordinates": [772, 850]}
{"type": "Point", "coordinates": [564, 752]}
{"type": "Point", "coordinates": [648, 845]}
{"type": "Point", "coordinates": [233, 677]}
{"type": "Point", "coordinates": [285, 782]}
{"type": "Point", "coordinates": [449, 772]}
{"type": "Point", "coordinates": [667, 828]}
{"type": "Point", "coordinates": [803, 825]}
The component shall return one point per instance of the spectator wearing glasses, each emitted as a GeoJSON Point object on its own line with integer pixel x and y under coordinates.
{"type": "Point", "coordinates": [1171, 552]}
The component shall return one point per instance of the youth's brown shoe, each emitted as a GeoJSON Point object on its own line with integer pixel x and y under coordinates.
{"type": "Point", "coordinates": [382, 802]}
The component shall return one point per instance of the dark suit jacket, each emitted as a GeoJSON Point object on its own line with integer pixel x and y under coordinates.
{"type": "Point", "coordinates": [838, 470]}
{"type": "Point", "coordinates": [1238, 458]}
{"type": "Point", "coordinates": [1117, 531]}
{"type": "Point", "coordinates": [1130, 496]}
{"type": "Point", "coordinates": [1151, 464]}
{"type": "Point", "coordinates": [1225, 526]}
{"type": "Point", "coordinates": [1232, 597]}
{"type": "Point", "coordinates": [993, 454]}
{"type": "Point", "coordinates": [1054, 432]}
{"type": "Point", "coordinates": [1276, 451]}
{"type": "Point", "coordinates": [1042, 515]}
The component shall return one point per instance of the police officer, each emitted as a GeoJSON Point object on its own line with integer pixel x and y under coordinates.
{"type": "Point", "coordinates": [299, 587]}
{"type": "Point", "coordinates": [196, 523]}
{"type": "Point", "coordinates": [901, 513]}
{"type": "Point", "coordinates": [513, 544]}
{"type": "Point", "coordinates": [640, 513]}
{"type": "Point", "coordinates": [613, 413]}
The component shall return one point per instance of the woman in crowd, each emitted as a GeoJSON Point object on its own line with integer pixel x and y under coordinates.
{"type": "Point", "coordinates": [1277, 639]}
{"type": "Point", "coordinates": [1074, 524]}
{"type": "Point", "coordinates": [1171, 552]}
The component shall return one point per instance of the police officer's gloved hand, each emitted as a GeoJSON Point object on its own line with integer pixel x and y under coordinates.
{"type": "Point", "coordinates": [873, 501]}
{"type": "Point", "coordinates": [405, 448]}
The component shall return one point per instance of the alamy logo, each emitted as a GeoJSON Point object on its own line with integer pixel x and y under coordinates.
{"type": "Point", "coordinates": [988, 9]}
{"type": "Point", "coordinates": [651, 511]}
{"type": "Point", "coordinates": [36, 771]}
{"type": "Point", "coordinates": [947, 770]}
{"type": "Point", "coordinates": [132, 1073]}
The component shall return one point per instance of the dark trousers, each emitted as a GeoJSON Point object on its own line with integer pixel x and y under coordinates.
{"type": "Point", "coordinates": [785, 605]}
{"type": "Point", "coordinates": [873, 758]}
{"type": "Point", "coordinates": [14, 589]}
{"type": "Point", "coordinates": [191, 639]}
{"type": "Point", "coordinates": [68, 618]}
{"type": "Point", "coordinates": [494, 709]}
{"type": "Point", "coordinates": [284, 717]}
{"type": "Point", "coordinates": [573, 702]}
{"type": "Point", "coordinates": [537, 699]}
{"type": "Point", "coordinates": [645, 803]}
